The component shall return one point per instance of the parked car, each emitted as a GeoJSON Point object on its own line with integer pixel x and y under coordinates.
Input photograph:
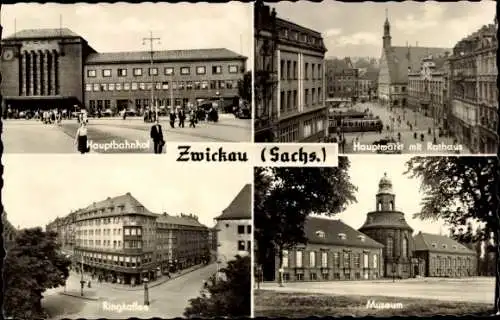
{"type": "Point", "coordinates": [107, 113]}
{"type": "Point", "coordinates": [131, 112]}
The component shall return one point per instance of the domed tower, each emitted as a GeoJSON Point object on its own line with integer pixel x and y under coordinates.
{"type": "Point", "coordinates": [389, 227]}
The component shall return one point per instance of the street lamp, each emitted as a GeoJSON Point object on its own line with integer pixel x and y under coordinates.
{"type": "Point", "coordinates": [151, 39]}
{"type": "Point", "coordinates": [82, 282]}
{"type": "Point", "coordinates": [146, 291]}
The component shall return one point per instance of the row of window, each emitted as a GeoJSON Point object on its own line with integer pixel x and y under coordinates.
{"type": "Point", "coordinates": [111, 209]}
{"type": "Point", "coordinates": [290, 133]}
{"type": "Point", "coordinates": [288, 71]}
{"type": "Point", "coordinates": [296, 36]}
{"type": "Point", "coordinates": [389, 247]}
{"type": "Point", "coordinates": [449, 262]}
{"type": "Point", "coordinates": [176, 85]}
{"type": "Point", "coordinates": [324, 259]}
{"type": "Point", "coordinates": [312, 126]}
{"type": "Point", "coordinates": [117, 244]}
{"type": "Point", "coordinates": [244, 245]}
{"type": "Point", "coordinates": [168, 71]}
{"type": "Point", "coordinates": [335, 276]}
{"type": "Point", "coordinates": [241, 229]}
{"type": "Point", "coordinates": [289, 99]}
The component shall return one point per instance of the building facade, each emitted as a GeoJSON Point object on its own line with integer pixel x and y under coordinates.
{"type": "Point", "coordinates": [395, 65]}
{"type": "Point", "coordinates": [445, 257]}
{"type": "Point", "coordinates": [125, 80]}
{"type": "Point", "coordinates": [120, 240]}
{"type": "Point", "coordinates": [265, 74]}
{"type": "Point", "coordinates": [297, 81]}
{"type": "Point", "coordinates": [234, 227]}
{"type": "Point", "coordinates": [474, 100]}
{"type": "Point", "coordinates": [56, 68]}
{"type": "Point", "coordinates": [334, 251]}
{"type": "Point", "coordinates": [428, 89]}
{"type": "Point", "coordinates": [342, 79]}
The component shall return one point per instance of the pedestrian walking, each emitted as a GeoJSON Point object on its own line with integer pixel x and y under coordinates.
{"type": "Point", "coordinates": [172, 118]}
{"type": "Point", "coordinates": [81, 138]}
{"type": "Point", "coordinates": [182, 118]}
{"type": "Point", "coordinates": [157, 136]}
{"type": "Point", "coordinates": [192, 119]}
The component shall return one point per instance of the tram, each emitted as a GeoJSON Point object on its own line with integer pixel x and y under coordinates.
{"type": "Point", "coordinates": [365, 124]}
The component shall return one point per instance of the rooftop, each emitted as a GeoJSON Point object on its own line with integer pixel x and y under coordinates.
{"type": "Point", "coordinates": [43, 34]}
{"type": "Point", "coordinates": [240, 207]}
{"type": "Point", "coordinates": [183, 55]}
{"type": "Point", "coordinates": [328, 231]}
{"type": "Point", "coordinates": [425, 242]}
{"type": "Point", "coordinates": [127, 200]}
{"type": "Point", "coordinates": [179, 220]}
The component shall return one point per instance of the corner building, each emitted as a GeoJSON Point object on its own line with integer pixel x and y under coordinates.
{"type": "Point", "coordinates": [120, 240]}
{"type": "Point", "coordinates": [57, 68]}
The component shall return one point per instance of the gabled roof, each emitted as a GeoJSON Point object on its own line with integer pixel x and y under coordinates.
{"type": "Point", "coordinates": [43, 34]}
{"type": "Point", "coordinates": [332, 229]}
{"type": "Point", "coordinates": [424, 242]}
{"type": "Point", "coordinates": [400, 58]}
{"type": "Point", "coordinates": [127, 200]}
{"type": "Point", "coordinates": [240, 207]}
{"type": "Point", "coordinates": [170, 55]}
{"type": "Point", "coordinates": [178, 220]}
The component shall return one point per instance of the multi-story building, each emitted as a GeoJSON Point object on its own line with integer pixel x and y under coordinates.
{"type": "Point", "coordinates": [382, 247]}
{"type": "Point", "coordinates": [334, 251]}
{"type": "Point", "coordinates": [56, 68]}
{"type": "Point", "coordinates": [367, 84]}
{"type": "Point", "coordinates": [297, 80]}
{"type": "Point", "coordinates": [395, 65]}
{"type": "Point", "coordinates": [265, 73]}
{"type": "Point", "coordinates": [65, 229]}
{"type": "Point", "coordinates": [474, 94]}
{"type": "Point", "coordinates": [234, 227]}
{"type": "Point", "coordinates": [119, 239]}
{"type": "Point", "coordinates": [428, 89]}
{"type": "Point", "coordinates": [125, 80]}
{"type": "Point", "coordinates": [445, 257]}
{"type": "Point", "coordinates": [342, 79]}
{"type": "Point", "coordinates": [181, 242]}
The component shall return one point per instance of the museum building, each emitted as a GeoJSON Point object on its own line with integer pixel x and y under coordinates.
{"type": "Point", "coordinates": [382, 248]}
{"type": "Point", "coordinates": [57, 68]}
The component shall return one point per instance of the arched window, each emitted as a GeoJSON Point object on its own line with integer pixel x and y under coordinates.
{"type": "Point", "coordinates": [405, 247]}
{"type": "Point", "coordinates": [389, 247]}
{"type": "Point", "coordinates": [379, 206]}
{"type": "Point", "coordinates": [375, 261]}
{"type": "Point", "coordinates": [392, 206]}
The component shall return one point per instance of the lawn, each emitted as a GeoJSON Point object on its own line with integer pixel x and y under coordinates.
{"type": "Point", "coordinates": [269, 303]}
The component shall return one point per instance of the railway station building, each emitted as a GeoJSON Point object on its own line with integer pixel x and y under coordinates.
{"type": "Point", "coordinates": [57, 68]}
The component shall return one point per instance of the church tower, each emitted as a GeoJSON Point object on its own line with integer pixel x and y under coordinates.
{"type": "Point", "coordinates": [388, 226]}
{"type": "Point", "coordinates": [387, 32]}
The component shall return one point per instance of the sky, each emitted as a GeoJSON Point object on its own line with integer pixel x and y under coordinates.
{"type": "Point", "coordinates": [356, 29]}
{"type": "Point", "coordinates": [39, 188]}
{"type": "Point", "coordinates": [365, 173]}
{"type": "Point", "coordinates": [122, 26]}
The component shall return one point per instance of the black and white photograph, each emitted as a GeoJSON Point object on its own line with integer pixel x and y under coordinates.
{"type": "Point", "coordinates": [404, 236]}
{"type": "Point", "coordinates": [405, 77]}
{"type": "Point", "coordinates": [102, 77]}
{"type": "Point", "coordinates": [147, 241]}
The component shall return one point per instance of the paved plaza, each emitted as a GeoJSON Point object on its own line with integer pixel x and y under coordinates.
{"type": "Point", "coordinates": [32, 136]}
{"type": "Point", "coordinates": [479, 290]}
{"type": "Point", "coordinates": [420, 124]}
{"type": "Point", "coordinates": [167, 300]}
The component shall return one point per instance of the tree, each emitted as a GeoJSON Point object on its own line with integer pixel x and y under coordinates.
{"type": "Point", "coordinates": [32, 265]}
{"type": "Point", "coordinates": [285, 197]}
{"type": "Point", "coordinates": [245, 86]}
{"type": "Point", "coordinates": [460, 190]}
{"type": "Point", "coordinates": [225, 297]}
